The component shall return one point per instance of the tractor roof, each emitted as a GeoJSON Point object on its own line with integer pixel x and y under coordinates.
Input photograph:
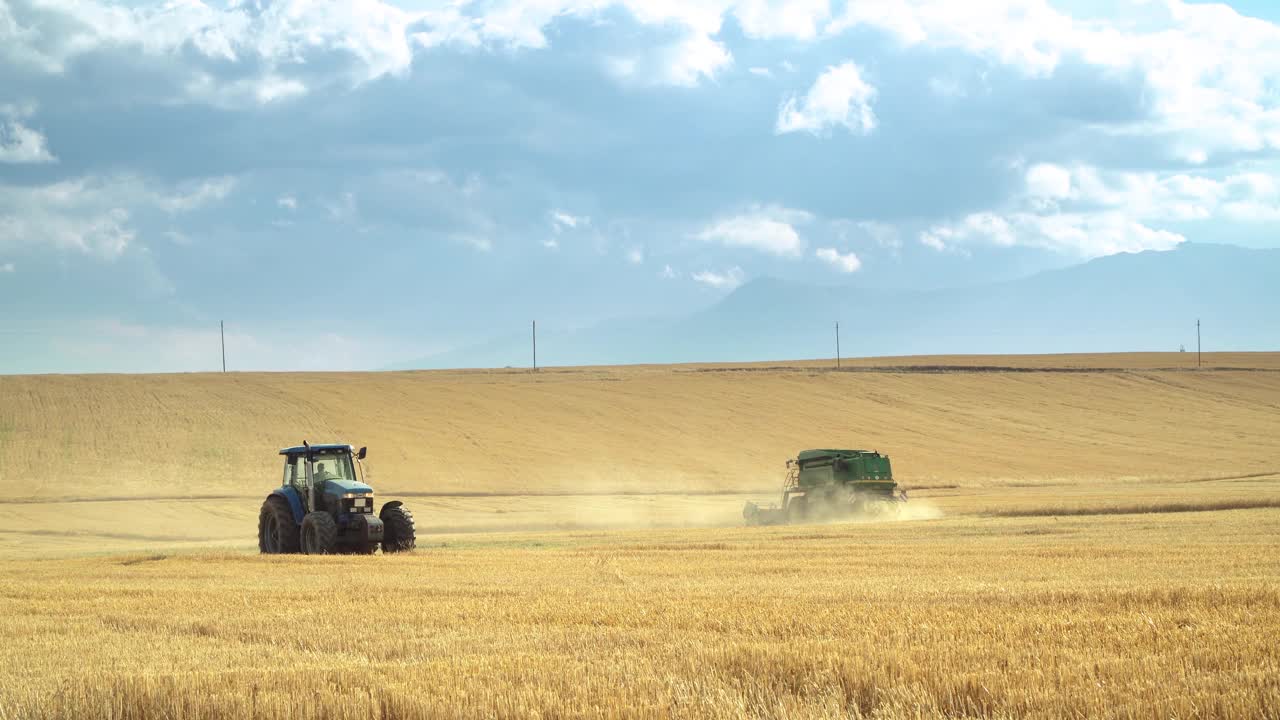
{"type": "Point", "coordinates": [321, 447]}
{"type": "Point", "coordinates": [807, 455]}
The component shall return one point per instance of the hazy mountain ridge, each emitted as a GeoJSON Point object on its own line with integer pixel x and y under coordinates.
{"type": "Point", "coordinates": [1126, 302]}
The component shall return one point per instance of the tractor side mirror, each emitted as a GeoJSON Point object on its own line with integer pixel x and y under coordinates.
{"type": "Point", "coordinates": [362, 452]}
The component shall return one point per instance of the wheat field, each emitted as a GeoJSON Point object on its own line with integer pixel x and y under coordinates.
{"type": "Point", "coordinates": [1089, 536]}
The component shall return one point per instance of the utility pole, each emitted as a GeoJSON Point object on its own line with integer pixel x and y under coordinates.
{"type": "Point", "coordinates": [837, 346]}
{"type": "Point", "coordinates": [1197, 342]}
{"type": "Point", "coordinates": [222, 333]}
{"type": "Point", "coordinates": [535, 345]}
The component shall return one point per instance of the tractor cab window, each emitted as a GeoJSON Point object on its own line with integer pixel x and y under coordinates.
{"type": "Point", "coordinates": [332, 466]}
{"type": "Point", "coordinates": [295, 473]}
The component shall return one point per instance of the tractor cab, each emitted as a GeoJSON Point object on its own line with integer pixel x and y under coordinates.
{"type": "Point", "coordinates": [321, 472]}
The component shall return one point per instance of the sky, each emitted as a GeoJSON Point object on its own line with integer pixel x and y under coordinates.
{"type": "Point", "coordinates": [350, 185]}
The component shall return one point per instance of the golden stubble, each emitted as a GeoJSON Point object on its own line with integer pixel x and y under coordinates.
{"type": "Point", "coordinates": [1144, 616]}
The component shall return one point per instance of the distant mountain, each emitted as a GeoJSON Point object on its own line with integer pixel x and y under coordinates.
{"type": "Point", "coordinates": [1127, 302]}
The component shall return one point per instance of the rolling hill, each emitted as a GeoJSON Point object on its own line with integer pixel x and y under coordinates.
{"type": "Point", "coordinates": [645, 428]}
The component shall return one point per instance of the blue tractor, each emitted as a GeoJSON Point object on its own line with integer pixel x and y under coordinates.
{"type": "Point", "coordinates": [323, 508]}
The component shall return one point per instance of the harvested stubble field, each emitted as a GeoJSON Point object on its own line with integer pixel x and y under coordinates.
{"type": "Point", "coordinates": [1159, 616]}
{"type": "Point", "coordinates": [1084, 544]}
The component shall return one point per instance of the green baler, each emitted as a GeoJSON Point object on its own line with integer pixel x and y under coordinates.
{"type": "Point", "coordinates": [828, 484]}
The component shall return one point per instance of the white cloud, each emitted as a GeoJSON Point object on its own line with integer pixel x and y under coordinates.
{"type": "Point", "coordinates": [668, 273]}
{"type": "Point", "coordinates": [1013, 32]}
{"type": "Point", "coordinates": [8, 268]}
{"type": "Point", "coordinates": [1210, 72]}
{"type": "Point", "coordinates": [693, 59]}
{"type": "Point", "coordinates": [845, 263]}
{"type": "Point", "coordinates": [190, 196]}
{"type": "Point", "coordinates": [635, 256]}
{"type": "Point", "coordinates": [1084, 210]}
{"type": "Point", "coordinates": [359, 41]}
{"type": "Point", "coordinates": [1098, 234]}
{"type": "Point", "coordinates": [551, 244]}
{"type": "Point", "coordinates": [985, 226]}
{"type": "Point", "coordinates": [761, 71]}
{"type": "Point", "coordinates": [683, 63]}
{"type": "Point", "coordinates": [371, 35]}
{"type": "Point", "coordinates": [1082, 234]}
{"type": "Point", "coordinates": [561, 220]}
{"type": "Point", "coordinates": [273, 87]}
{"type": "Point", "coordinates": [1048, 181]}
{"type": "Point", "coordinates": [937, 237]}
{"type": "Point", "coordinates": [1144, 195]}
{"type": "Point", "coordinates": [796, 19]}
{"type": "Point", "coordinates": [20, 145]}
{"type": "Point", "coordinates": [840, 96]}
{"type": "Point", "coordinates": [105, 233]}
{"type": "Point", "coordinates": [727, 280]}
{"type": "Point", "coordinates": [94, 215]}
{"type": "Point", "coordinates": [288, 202]}
{"type": "Point", "coordinates": [210, 89]}
{"type": "Point", "coordinates": [768, 229]}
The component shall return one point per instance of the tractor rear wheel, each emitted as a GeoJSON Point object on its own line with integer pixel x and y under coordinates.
{"type": "Point", "coordinates": [398, 532]}
{"type": "Point", "coordinates": [319, 534]}
{"type": "Point", "coordinates": [277, 532]}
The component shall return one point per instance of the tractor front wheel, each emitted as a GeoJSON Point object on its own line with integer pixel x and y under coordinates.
{"type": "Point", "coordinates": [277, 532]}
{"type": "Point", "coordinates": [398, 532]}
{"type": "Point", "coordinates": [319, 534]}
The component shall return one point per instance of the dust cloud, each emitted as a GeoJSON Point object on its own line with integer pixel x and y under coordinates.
{"type": "Point", "coordinates": [601, 510]}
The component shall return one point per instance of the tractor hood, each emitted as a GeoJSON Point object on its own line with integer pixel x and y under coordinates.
{"type": "Point", "coordinates": [339, 487]}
